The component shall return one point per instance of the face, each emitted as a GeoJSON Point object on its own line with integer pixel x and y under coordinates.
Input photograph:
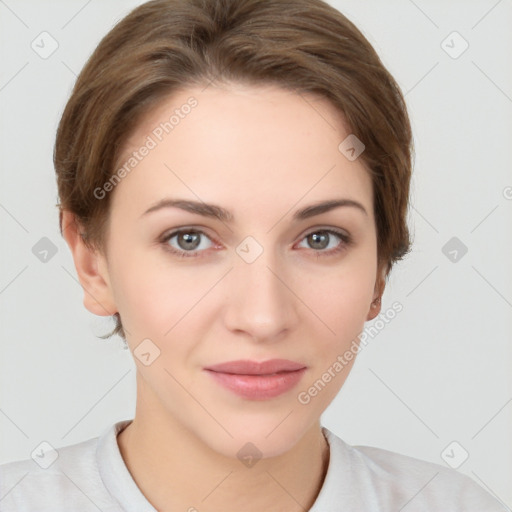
{"type": "Point", "coordinates": [268, 279]}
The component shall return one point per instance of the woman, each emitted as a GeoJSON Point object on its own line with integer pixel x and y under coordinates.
{"type": "Point", "coordinates": [234, 179]}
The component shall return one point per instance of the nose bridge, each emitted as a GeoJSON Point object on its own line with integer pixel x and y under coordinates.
{"type": "Point", "coordinates": [259, 303]}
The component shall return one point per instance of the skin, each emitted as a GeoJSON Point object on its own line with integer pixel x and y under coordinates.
{"type": "Point", "coordinates": [262, 153]}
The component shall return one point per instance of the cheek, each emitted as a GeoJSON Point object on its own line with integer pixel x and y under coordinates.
{"type": "Point", "coordinates": [153, 294]}
{"type": "Point", "coordinates": [342, 304]}
{"type": "Point", "coordinates": [342, 298]}
{"type": "Point", "coordinates": [144, 293]}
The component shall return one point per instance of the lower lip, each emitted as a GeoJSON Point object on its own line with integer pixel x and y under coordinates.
{"type": "Point", "coordinates": [259, 387]}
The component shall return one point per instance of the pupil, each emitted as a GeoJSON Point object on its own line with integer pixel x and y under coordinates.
{"type": "Point", "coordinates": [318, 241]}
{"type": "Point", "coordinates": [191, 240]}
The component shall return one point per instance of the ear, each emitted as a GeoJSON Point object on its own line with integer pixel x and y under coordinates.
{"type": "Point", "coordinates": [380, 284]}
{"type": "Point", "coordinates": [91, 267]}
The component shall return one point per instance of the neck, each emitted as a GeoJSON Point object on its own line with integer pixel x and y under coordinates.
{"type": "Point", "coordinates": [175, 470]}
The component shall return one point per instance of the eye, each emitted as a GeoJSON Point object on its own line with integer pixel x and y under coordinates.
{"type": "Point", "coordinates": [186, 242]}
{"type": "Point", "coordinates": [192, 242]}
{"type": "Point", "coordinates": [327, 241]}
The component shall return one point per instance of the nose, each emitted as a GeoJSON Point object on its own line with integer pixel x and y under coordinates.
{"type": "Point", "coordinates": [260, 302]}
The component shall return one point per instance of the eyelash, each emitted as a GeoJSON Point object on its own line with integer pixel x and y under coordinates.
{"type": "Point", "coordinates": [346, 241]}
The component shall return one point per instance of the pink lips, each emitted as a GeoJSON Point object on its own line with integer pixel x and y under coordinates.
{"type": "Point", "coordinates": [258, 381]}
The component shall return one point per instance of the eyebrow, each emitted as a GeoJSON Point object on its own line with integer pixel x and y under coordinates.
{"type": "Point", "coordinates": [217, 212]}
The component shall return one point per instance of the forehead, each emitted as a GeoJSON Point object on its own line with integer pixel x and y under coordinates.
{"type": "Point", "coordinates": [240, 145]}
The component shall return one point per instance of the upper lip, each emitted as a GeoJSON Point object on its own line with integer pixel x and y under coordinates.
{"type": "Point", "coordinates": [246, 367]}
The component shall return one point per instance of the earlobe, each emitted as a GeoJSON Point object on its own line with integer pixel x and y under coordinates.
{"type": "Point", "coordinates": [374, 309]}
{"type": "Point", "coordinates": [375, 306]}
{"type": "Point", "coordinates": [90, 267]}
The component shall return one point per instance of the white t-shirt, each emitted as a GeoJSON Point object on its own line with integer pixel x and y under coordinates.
{"type": "Point", "coordinates": [92, 476]}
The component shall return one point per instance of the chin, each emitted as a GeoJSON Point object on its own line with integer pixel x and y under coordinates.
{"type": "Point", "coordinates": [270, 435]}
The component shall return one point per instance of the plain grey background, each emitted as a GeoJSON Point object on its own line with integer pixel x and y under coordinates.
{"type": "Point", "coordinates": [434, 383]}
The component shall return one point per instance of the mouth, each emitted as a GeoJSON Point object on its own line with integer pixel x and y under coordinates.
{"type": "Point", "coordinates": [257, 380]}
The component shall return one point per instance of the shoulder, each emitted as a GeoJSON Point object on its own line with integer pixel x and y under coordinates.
{"type": "Point", "coordinates": [389, 481]}
{"type": "Point", "coordinates": [58, 479]}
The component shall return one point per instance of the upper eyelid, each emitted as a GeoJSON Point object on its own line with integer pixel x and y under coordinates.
{"type": "Point", "coordinates": [172, 233]}
{"type": "Point", "coordinates": [186, 229]}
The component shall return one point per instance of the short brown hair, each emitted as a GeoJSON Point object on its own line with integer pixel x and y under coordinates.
{"type": "Point", "coordinates": [164, 46]}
